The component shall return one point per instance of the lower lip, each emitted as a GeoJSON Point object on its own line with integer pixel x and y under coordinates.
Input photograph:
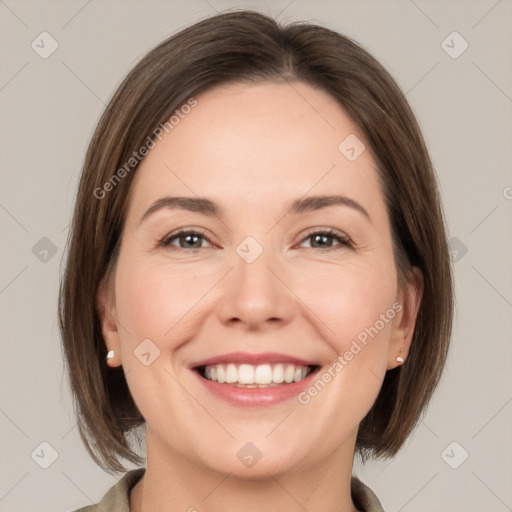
{"type": "Point", "coordinates": [256, 397]}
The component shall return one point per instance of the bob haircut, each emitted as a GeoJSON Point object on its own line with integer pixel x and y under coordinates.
{"type": "Point", "coordinates": [248, 47]}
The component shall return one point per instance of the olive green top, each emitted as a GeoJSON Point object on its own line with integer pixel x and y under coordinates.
{"type": "Point", "coordinates": [117, 499]}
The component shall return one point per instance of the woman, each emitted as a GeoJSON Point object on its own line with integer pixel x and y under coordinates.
{"type": "Point", "coordinates": [257, 273]}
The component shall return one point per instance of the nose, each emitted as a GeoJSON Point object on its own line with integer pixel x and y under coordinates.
{"type": "Point", "coordinates": [255, 295]}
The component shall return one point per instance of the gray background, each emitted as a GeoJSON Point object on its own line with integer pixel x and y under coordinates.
{"type": "Point", "coordinates": [49, 108]}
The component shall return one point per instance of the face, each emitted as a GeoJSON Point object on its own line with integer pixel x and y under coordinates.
{"type": "Point", "coordinates": [308, 293]}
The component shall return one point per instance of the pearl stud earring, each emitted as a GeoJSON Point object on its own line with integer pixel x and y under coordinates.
{"type": "Point", "coordinates": [110, 355]}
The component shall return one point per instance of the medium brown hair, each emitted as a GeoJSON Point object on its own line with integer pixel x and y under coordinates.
{"type": "Point", "coordinates": [237, 47]}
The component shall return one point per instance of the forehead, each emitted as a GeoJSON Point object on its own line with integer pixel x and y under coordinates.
{"type": "Point", "coordinates": [269, 141]}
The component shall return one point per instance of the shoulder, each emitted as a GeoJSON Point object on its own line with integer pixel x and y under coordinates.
{"type": "Point", "coordinates": [117, 498]}
{"type": "Point", "coordinates": [363, 497]}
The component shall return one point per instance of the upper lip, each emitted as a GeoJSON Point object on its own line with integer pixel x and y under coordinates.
{"type": "Point", "coordinates": [254, 359]}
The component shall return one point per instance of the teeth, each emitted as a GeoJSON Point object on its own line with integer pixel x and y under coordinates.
{"type": "Point", "coordinates": [231, 374]}
{"type": "Point", "coordinates": [245, 374]}
{"type": "Point", "coordinates": [289, 374]}
{"type": "Point", "coordinates": [278, 374]}
{"type": "Point", "coordinates": [263, 374]}
{"type": "Point", "coordinates": [253, 376]}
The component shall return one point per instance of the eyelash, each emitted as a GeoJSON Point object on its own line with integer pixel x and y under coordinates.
{"type": "Point", "coordinates": [343, 240]}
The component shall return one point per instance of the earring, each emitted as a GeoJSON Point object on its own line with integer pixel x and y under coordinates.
{"type": "Point", "coordinates": [110, 355]}
{"type": "Point", "coordinates": [399, 359]}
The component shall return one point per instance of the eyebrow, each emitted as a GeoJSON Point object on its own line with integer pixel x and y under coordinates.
{"type": "Point", "coordinates": [208, 207]}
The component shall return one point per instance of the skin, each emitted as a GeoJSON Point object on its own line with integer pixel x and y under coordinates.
{"type": "Point", "coordinates": [253, 149]}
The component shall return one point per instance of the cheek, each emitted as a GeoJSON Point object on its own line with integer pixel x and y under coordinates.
{"type": "Point", "coordinates": [349, 298]}
{"type": "Point", "coordinates": [160, 303]}
{"type": "Point", "coordinates": [355, 303]}
{"type": "Point", "coordinates": [157, 300]}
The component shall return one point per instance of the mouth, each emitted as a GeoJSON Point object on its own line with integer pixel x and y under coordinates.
{"type": "Point", "coordinates": [254, 380]}
{"type": "Point", "coordinates": [256, 376]}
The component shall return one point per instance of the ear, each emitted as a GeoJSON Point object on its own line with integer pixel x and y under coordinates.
{"type": "Point", "coordinates": [404, 322]}
{"type": "Point", "coordinates": [105, 303]}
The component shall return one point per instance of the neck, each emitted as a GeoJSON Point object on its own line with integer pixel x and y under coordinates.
{"type": "Point", "coordinates": [174, 482]}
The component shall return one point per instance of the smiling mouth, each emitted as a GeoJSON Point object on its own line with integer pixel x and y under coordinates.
{"type": "Point", "coordinates": [256, 376]}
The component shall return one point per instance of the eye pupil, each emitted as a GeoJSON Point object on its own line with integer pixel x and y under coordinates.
{"type": "Point", "coordinates": [189, 238]}
{"type": "Point", "coordinates": [323, 239]}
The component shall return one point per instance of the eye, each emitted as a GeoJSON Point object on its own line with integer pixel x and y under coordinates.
{"type": "Point", "coordinates": [186, 240]}
{"type": "Point", "coordinates": [323, 239]}
{"type": "Point", "coordinates": [193, 240]}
